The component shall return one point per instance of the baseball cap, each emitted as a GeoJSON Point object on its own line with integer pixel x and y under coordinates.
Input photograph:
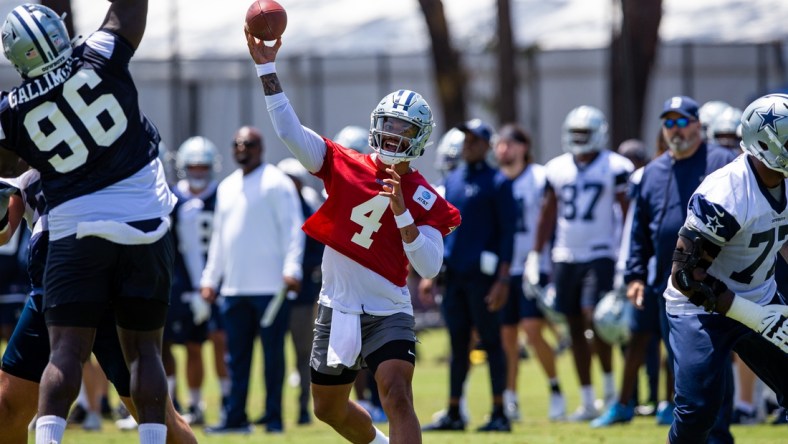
{"type": "Point", "coordinates": [478, 128]}
{"type": "Point", "coordinates": [686, 106]}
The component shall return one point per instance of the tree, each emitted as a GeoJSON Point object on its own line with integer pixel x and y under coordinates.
{"type": "Point", "coordinates": [507, 79]}
{"type": "Point", "coordinates": [449, 76]}
{"type": "Point", "coordinates": [633, 49]}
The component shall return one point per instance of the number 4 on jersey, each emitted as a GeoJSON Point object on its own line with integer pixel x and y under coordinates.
{"type": "Point", "coordinates": [368, 215]}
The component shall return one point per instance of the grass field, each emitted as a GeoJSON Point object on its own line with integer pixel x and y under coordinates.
{"type": "Point", "coordinates": [431, 388]}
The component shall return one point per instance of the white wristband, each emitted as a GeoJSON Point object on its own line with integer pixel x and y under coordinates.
{"type": "Point", "coordinates": [265, 68]}
{"type": "Point", "coordinates": [404, 219]}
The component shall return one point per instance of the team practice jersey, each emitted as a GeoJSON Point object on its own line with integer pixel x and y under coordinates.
{"type": "Point", "coordinates": [192, 220]}
{"type": "Point", "coordinates": [528, 190]}
{"type": "Point", "coordinates": [81, 127]}
{"type": "Point", "coordinates": [733, 209]}
{"type": "Point", "coordinates": [587, 225]}
{"type": "Point", "coordinates": [357, 222]}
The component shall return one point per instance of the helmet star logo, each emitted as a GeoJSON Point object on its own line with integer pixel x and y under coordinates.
{"type": "Point", "coordinates": [769, 118]}
{"type": "Point", "coordinates": [713, 223]}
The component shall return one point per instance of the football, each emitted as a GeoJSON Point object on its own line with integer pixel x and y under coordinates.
{"type": "Point", "coordinates": [266, 19]}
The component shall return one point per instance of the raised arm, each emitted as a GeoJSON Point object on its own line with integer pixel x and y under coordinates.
{"type": "Point", "coordinates": [308, 147]}
{"type": "Point", "coordinates": [127, 18]}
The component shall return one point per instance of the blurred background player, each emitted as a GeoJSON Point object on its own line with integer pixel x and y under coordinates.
{"type": "Point", "coordinates": [477, 258]}
{"type": "Point", "coordinates": [584, 187]}
{"type": "Point", "coordinates": [191, 320]}
{"type": "Point", "coordinates": [303, 307]}
{"type": "Point", "coordinates": [512, 149]}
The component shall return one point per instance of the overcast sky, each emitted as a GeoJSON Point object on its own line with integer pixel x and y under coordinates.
{"type": "Point", "coordinates": [214, 27]}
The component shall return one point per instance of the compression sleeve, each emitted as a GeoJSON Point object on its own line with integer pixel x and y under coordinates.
{"type": "Point", "coordinates": [425, 253]}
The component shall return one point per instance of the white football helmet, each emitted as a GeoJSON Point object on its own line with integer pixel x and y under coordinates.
{"type": "Point", "coordinates": [449, 150]}
{"type": "Point", "coordinates": [611, 317]}
{"type": "Point", "coordinates": [765, 131]}
{"type": "Point", "coordinates": [409, 142]}
{"type": "Point", "coordinates": [197, 151]}
{"type": "Point", "coordinates": [293, 168]}
{"type": "Point", "coordinates": [354, 137]}
{"type": "Point", "coordinates": [725, 130]}
{"type": "Point", "coordinates": [708, 112]}
{"type": "Point", "coordinates": [584, 131]}
{"type": "Point", "coordinates": [35, 40]}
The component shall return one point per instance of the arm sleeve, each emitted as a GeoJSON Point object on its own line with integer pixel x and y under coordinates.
{"type": "Point", "coordinates": [425, 253]}
{"type": "Point", "coordinates": [308, 147]}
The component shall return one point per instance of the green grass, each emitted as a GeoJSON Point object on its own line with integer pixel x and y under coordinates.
{"type": "Point", "coordinates": [430, 389]}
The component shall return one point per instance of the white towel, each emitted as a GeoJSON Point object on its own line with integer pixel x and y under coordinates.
{"type": "Point", "coordinates": [344, 341]}
{"type": "Point", "coordinates": [122, 233]}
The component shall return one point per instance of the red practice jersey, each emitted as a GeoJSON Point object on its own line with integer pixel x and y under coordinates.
{"type": "Point", "coordinates": [359, 223]}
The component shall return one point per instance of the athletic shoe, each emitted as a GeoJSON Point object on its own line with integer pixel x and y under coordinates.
{"type": "Point", "coordinates": [195, 416]}
{"type": "Point", "coordinates": [510, 407]}
{"type": "Point", "coordinates": [782, 417]}
{"type": "Point", "coordinates": [743, 417]}
{"type": "Point", "coordinates": [584, 413]}
{"type": "Point", "coordinates": [263, 419]}
{"type": "Point", "coordinates": [557, 411]}
{"type": "Point", "coordinates": [304, 417]}
{"type": "Point", "coordinates": [126, 424]}
{"type": "Point", "coordinates": [222, 429]}
{"type": "Point", "coordinates": [665, 413]}
{"type": "Point", "coordinates": [496, 424]}
{"type": "Point", "coordinates": [445, 422]}
{"type": "Point", "coordinates": [92, 422]}
{"type": "Point", "coordinates": [275, 426]}
{"type": "Point", "coordinates": [618, 413]}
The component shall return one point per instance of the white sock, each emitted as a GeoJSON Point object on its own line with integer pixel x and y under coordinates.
{"type": "Point", "coordinates": [195, 396]}
{"type": "Point", "coordinates": [380, 438]}
{"type": "Point", "coordinates": [50, 429]}
{"type": "Point", "coordinates": [587, 395]}
{"type": "Point", "coordinates": [152, 433]}
{"type": "Point", "coordinates": [171, 386]}
{"type": "Point", "coordinates": [82, 398]}
{"type": "Point", "coordinates": [225, 383]}
{"type": "Point", "coordinates": [509, 396]}
{"type": "Point", "coordinates": [609, 385]}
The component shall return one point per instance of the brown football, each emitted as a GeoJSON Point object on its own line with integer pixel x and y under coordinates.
{"type": "Point", "coordinates": [266, 19]}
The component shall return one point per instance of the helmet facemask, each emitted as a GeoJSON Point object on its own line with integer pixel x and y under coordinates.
{"type": "Point", "coordinates": [400, 127]}
{"type": "Point", "coordinates": [196, 162]}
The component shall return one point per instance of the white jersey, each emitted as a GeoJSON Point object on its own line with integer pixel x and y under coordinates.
{"type": "Point", "coordinates": [528, 191]}
{"type": "Point", "coordinates": [734, 210]}
{"type": "Point", "coordinates": [587, 225]}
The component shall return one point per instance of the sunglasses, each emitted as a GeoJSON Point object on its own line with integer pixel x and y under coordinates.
{"type": "Point", "coordinates": [245, 143]}
{"type": "Point", "coordinates": [681, 122]}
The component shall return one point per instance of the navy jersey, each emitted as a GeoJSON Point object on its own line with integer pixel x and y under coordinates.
{"type": "Point", "coordinates": [80, 124]}
{"type": "Point", "coordinates": [192, 219]}
{"type": "Point", "coordinates": [486, 202]}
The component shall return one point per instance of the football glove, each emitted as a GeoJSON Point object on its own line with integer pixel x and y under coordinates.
{"type": "Point", "coordinates": [201, 309]}
{"type": "Point", "coordinates": [769, 321]}
{"type": "Point", "coordinates": [532, 268]}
